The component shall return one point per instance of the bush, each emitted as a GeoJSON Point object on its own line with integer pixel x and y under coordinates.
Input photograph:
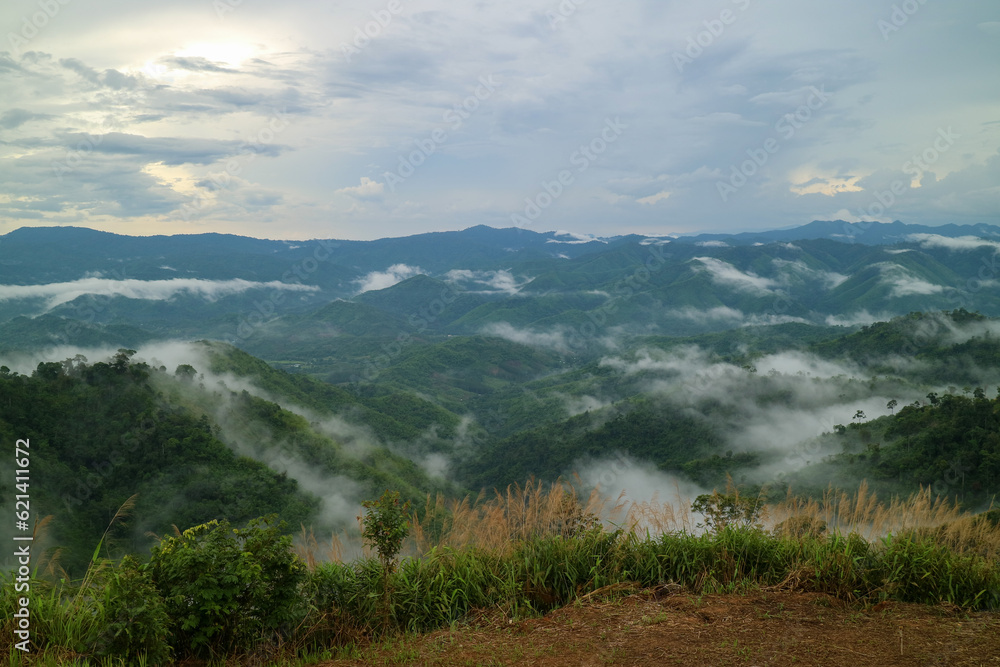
{"type": "Point", "coordinates": [224, 587]}
{"type": "Point", "coordinates": [729, 510]}
{"type": "Point", "coordinates": [136, 617]}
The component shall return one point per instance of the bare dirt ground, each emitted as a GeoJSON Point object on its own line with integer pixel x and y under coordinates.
{"type": "Point", "coordinates": [764, 628]}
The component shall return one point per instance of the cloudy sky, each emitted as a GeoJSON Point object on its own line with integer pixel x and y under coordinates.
{"type": "Point", "coordinates": [304, 119]}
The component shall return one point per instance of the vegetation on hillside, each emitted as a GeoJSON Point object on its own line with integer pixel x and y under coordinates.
{"type": "Point", "coordinates": [103, 432]}
{"type": "Point", "coordinates": [213, 591]}
{"type": "Point", "coordinates": [99, 434]}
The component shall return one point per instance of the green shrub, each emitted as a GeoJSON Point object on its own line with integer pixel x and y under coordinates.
{"type": "Point", "coordinates": [384, 527]}
{"type": "Point", "coordinates": [136, 620]}
{"type": "Point", "coordinates": [225, 587]}
{"type": "Point", "coordinates": [729, 510]}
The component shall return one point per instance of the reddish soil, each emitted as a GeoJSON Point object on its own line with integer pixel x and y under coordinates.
{"type": "Point", "coordinates": [764, 628]}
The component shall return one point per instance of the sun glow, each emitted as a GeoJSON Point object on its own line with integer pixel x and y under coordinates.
{"type": "Point", "coordinates": [229, 54]}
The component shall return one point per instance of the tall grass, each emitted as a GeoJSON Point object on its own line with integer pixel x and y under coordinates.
{"type": "Point", "coordinates": [529, 549]}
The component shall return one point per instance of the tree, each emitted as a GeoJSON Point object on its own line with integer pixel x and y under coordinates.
{"type": "Point", "coordinates": [859, 415]}
{"type": "Point", "coordinates": [384, 527]}
{"type": "Point", "coordinates": [121, 360]}
{"type": "Point", "coordinates": [729, 510]}
{"type": "Point", "coordinates": [891, 405]}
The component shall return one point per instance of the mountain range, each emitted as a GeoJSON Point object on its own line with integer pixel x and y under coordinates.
{"type": "Point", "coordinates": [447, 363]}
{"type": "Point", "coordinates": [515, 283]}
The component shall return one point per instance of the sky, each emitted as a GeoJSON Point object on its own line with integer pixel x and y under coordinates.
{"type": "Point", "coordinates": [306, 119]}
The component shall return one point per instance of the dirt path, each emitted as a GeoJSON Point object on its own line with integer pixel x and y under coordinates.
{"type": "Point", "coordinates": [681, 629]}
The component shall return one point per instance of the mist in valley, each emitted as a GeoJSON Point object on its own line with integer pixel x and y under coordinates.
{"type": "Point", "coordinates": [781, 407]}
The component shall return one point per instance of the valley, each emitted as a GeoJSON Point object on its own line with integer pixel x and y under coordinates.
{"type": "Point", "coordinates": [463, 365]}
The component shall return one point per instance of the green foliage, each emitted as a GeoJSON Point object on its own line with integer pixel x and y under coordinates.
{"type": "Point", "coordinates": [661, 435]}
{"type": "Point", "coordinates": [800, 526]}
{"type": "Point", "coordinates": [225, 587]}
{"type": "Point", "coordinates": [950, 445]}
{"type": "Point", "coordinates": [729, 510]}
{"type": "Point", "coordinates": [231, 592]}
{"type": "Point", "coordinates": [136, 624]}
{"type": "Point", "coordinates": [385, 526]}
{"type": "Point", "coordinates": [100, 433]}
{"type": "Point", "coordinates": [390, 415]}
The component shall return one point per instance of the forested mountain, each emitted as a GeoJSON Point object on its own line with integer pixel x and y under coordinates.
{"type": "Point", "coordinates": [193, 450]}
{"type": "Point", "coordinates": [256, 293]}
{"type": "Point", "coordinates": [947, 443]}
{"type": "Point", "coordinates": [452, 363]}
{"type": "Point", "coordinates": [868, 233]}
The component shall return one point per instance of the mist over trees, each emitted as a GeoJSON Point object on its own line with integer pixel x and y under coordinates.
{"type": "Point", "coordinates": [727, 378]}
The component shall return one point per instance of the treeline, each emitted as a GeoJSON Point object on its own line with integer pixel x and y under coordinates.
{"type": "Point", "coordinates": [103, 432]}
{"type": "Point", "coordinates": [100, 434]}
{"type": "Point", "coordinates": [950, 443]}
{"type": "Point", "coordinates": [668, 438]}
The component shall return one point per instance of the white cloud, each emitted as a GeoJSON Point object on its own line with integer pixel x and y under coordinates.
{"type": "Point", "coordinates": [709, 315]}
{"type": "Point", "coordinates": [724, 273]}
{"type": "Point", "coordinates": [832, 279]}
{"type": "Point", "coordinates": [164, 76]}
{"type": "Point", "coordinates": [769, 319]}
{"type": "Point", "coordinates": [630, 485]}
{"type": "Point", "coordinates": [377, 280]}
{"type": "Point", "coordinates": [853, 319]}
{"type": "Point", "coordinates": [577, 238]}
{"type": "Point", "coordinates": [56, 294]}
{"type": "Point", "coordinates": [577, 405]}
{"type": "Point", "coordinates": [712, 244]}
{"type": "Point", "coordinates": [652, 199]}
{"type": "Point", "coordinates": [552, 340]}
{"type": "Point", "coordinates": [910, 286]}
{"type": "Point", "coordinates": [497, 281]}
{"type": "Point", "coordinates": [799, 363]}
{"type": "Point", "coordinates": [368, 189]}
{"type": "Point", "coordinates": [904, 283]}
{"type": "Point", "coordinates": [958, 243]}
